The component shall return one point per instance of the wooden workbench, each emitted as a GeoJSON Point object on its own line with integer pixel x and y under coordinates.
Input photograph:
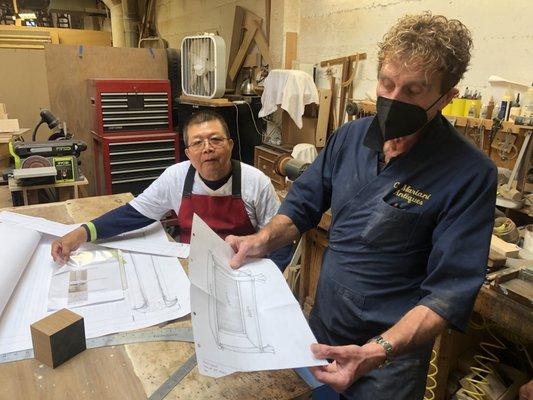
{"type": "Point", "coordinates": [131, 371]}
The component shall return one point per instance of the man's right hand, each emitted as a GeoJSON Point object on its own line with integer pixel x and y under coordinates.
{"type": "Point", "coordinates": [246, 246]}
{"type": "Point", "coordinates": [62, 247]}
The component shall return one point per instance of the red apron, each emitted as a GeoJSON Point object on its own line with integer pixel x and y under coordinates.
{"type": "Point", "coordinates": [226, 215]}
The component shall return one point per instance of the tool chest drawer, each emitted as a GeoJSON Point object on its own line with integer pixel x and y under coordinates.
{"type": "Point", "coordinates": [131, 106]}
{"type": "Point", "coordinates": [131, 163]}
{"type": "Point", "coordinates": [265, 159]}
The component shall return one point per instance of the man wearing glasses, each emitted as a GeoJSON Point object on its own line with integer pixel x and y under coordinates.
{"type": "Point", "coordinates": [232, 198]}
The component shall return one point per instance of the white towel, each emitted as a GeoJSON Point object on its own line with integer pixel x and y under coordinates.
{"type": "Point", "coordinates": [305, 152]}
{"type": "Point", "coordinates": [292, 89]}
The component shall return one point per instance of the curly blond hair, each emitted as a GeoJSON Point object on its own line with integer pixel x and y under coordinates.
{"type": "Point", "coordinates": [431, 42]}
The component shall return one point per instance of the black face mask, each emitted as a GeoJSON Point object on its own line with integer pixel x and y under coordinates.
{"type": "Point", "coordinates": [397, 119]}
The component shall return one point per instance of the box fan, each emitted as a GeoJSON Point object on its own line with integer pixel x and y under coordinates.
{"type": "Point", "coordinates": [203, 67]}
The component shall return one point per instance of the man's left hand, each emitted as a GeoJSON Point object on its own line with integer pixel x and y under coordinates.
{"type": "Point", "coordinates": [349, 363]}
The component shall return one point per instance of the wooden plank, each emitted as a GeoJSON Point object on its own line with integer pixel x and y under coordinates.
{"type": "Point", "coordinates": [243, 49]}
{"type": "Point", "coordinates": [64, 35]}
{"type": "Point", "coordinates": [262, 44]}
{"type": "Point", "coordinates": [503, 248]}
{"type": "Point", "coordinates": [340, 60]}
{"type": "Point", "coordinates": [236, 37]}
{"type": "Point", "coordinates": [291, 48]}
{"type": "Point", "coordinates": [346, 67]}
{"type": "Point", "coordinates": [268, 8]}
{"type": "Point", "coordinates": [206, 102]}
{"type": "Point", "coordinates": [323, 117]}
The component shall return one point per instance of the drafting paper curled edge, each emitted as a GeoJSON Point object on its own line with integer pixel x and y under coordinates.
{"type": "Point", "coordinates": [132, 241]}
{"type": "Point", "coordinates": [245, 319]}
{"type": "Point", "coordinates": [16, 249]}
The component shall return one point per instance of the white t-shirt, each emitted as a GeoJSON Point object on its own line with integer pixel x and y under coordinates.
{"type": "Point", "coordinates": [164, 194]}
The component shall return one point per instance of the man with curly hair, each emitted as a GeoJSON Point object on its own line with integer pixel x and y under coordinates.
{"type": "Point", "coordinates": [412, 207]}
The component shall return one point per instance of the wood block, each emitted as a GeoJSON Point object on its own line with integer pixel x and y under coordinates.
{"type": "Point", "coordinates": [502, 247]}
{"type": "Point", "coordinates": [496, 260]}
{"type": "Point", "coordinates": [58, 337]}
{"type": "Point", "coordinates": [9, 125]}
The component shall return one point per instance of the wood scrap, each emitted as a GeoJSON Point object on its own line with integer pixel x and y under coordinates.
{"type": "Point", "coordinates": [249, 23]}
{"type": "Point", "coordinates": [324, 107]}
{"type": "Point", "coordinates": [268, 6]}
{"type": "Point", "coordinates": [503, 248]}
{"type": "Point", "coordinates": [239, 58]}
{"type": "Point", "coordinates": [236, 38]}
{"type": "Point", "coordinates": [343, 91]}
{"type": "Point", "coordinates": [204, 101]}
{"type": "Point", "coordinates": [517, 285]}
{"type": "Point", "coordinates": [495, 260]}
{"type": "Point", "coordinates": [332, 120]}
{"type": "Point", "coordinates": [291, 48]}
{"type": "Point", "coordinates": [262, 44]}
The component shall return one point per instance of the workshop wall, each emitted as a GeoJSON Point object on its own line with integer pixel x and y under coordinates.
{"type": "Point", "coordinates": [333, 28]}
{"type": "Point", "coordinates": [68, 73]}
{"type": "Point", "coordinates": [502, 35]}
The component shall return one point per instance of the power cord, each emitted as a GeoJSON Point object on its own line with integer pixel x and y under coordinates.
{"type": "Point", "coordinates": [262, 134]}
{"type": "Point", "coordinates": [483, 361]}
{"type": "Point", "coordinates": [238, 132]}
{"type": "Point", "coordinates": [431, 382]}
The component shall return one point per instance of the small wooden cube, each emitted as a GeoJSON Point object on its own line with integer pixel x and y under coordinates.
{"type": "Point", "coordinates": [58, 337]}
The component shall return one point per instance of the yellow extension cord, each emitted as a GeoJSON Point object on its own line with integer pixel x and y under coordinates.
{"type": "Point", "coordinates": [483, 360]}
{"type": "Point", "coordinates": [431, 382]}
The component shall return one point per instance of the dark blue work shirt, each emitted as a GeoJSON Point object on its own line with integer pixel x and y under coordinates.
{"type": "Point", "coordinates": [415, 232]}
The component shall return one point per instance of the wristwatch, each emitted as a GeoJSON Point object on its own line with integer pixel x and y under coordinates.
{"type": "Point", "coordinates": [386, 346]}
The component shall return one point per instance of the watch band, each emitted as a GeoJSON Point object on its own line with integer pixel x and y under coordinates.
{"type": "Point", "coordinates": [386, 346]}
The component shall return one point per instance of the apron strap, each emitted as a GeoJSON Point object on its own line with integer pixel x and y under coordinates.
{"type": "Point", "coordinates": [189, 181]}
{"type": "Point", "coordinates": [236, 179]}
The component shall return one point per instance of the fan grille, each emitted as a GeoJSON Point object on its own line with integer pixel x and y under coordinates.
{"type": "Point", "coordinates": [199, 66]}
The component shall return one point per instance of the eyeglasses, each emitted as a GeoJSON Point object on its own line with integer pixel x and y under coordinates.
{"type": "Point", "coordinates": [215, 141]}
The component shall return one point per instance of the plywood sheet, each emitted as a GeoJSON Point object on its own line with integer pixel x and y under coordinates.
{"type": "Point", "coordinates": [23, 85]}
{"type": "Point", "coordinates": [67, 74]}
